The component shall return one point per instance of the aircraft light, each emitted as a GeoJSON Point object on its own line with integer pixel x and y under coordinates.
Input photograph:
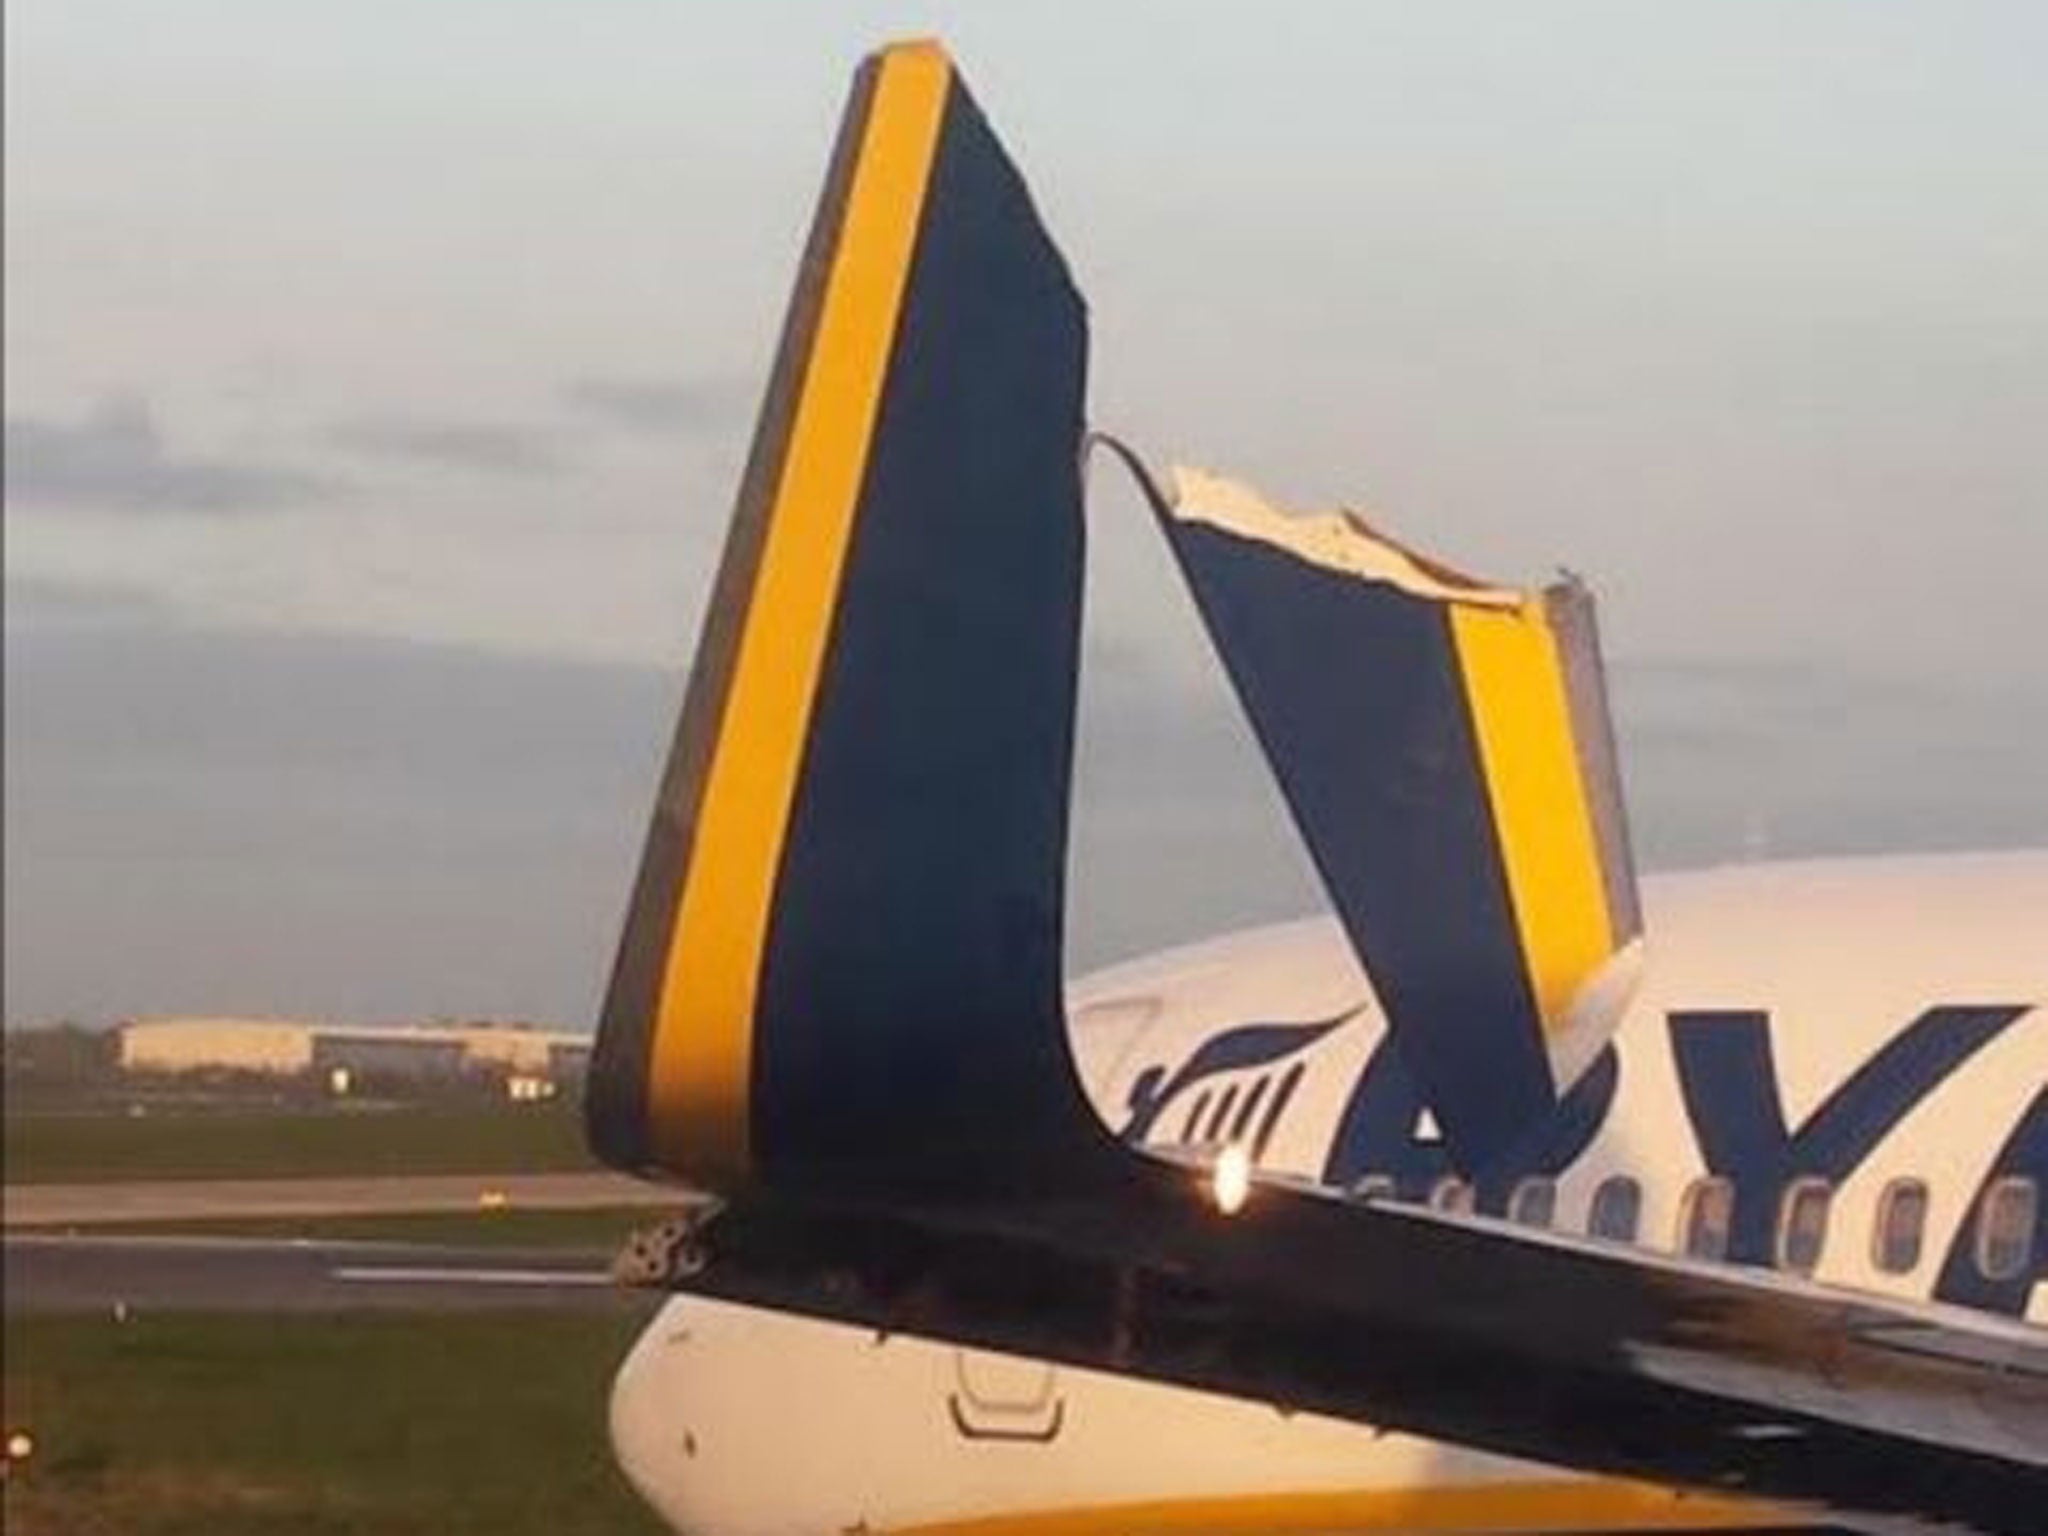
{"type": "Point", "coordinates": [1232, 1180]}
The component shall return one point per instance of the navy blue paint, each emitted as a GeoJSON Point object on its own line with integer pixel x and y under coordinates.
{"type": "Point", "coordinates": [1358, 701]}
{"type": "Point", "coordinates": [910, 994]}
{"type": "Point", "coordinates": [1249, 1108]}
{"type": "Point", "coordinates": [1961, 1281]}
{"type": "Point", "coordinates": [1234, 1050]}
{"type": "Point", "coordinates": [1552, 1146]}
{"type": "Point", "coordinates": [1282, 1097]}
{"type": "Point", "coordinates": [1224, 1106]}
{"type": "Point", "coordinates": [1377, 1133]}
{"type": "Point", "coordinates": [1730, 1084]}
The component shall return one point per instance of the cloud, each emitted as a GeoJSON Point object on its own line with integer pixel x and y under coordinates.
{"type": "Point", "coordinates": [661, 405]}
{"type": "Point", "coordinates": [203, 819]}
{"type": "Point", "coordinates": [193, 815]}
{"type": "Point", "coordinates": [1793, 756]}
{"type": "Point", "coordinates": [494, 448]}
{"type": "Point", "coordinates": [43, 602]}
{"type": "Point", "coordinates": [115, 458]}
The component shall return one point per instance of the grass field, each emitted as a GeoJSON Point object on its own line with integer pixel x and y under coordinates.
{"type": "Point", "coordinates": [273, 1143]}
{"type": "Point", "coordinates": [176, 1425]}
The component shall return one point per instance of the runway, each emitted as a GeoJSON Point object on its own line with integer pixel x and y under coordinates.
{"type": "Point", "coordinates": [79, 1205]}
{"type": "Point", "coordinates": [70, 1273]}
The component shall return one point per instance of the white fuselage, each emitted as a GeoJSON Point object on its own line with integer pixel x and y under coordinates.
{"type": "Point", "coordinates": [1769, 994]}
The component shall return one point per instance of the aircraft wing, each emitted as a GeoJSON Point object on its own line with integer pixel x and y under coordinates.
{"type": "Point", "coordinates": [1559, 1349]}
{"type": "Point", "coordinates": [837, 1003]}
{"type": "Point", "coordinates": [1445, 749]}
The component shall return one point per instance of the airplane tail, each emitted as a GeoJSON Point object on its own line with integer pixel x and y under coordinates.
{"type": "Point", "coordinates": [841, 965]}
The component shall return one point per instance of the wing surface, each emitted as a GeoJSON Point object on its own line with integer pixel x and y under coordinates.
{"type": "Point", "coordinates": [837, 1001]}
{"type": "Point", "coordinates": [1815, 1401]}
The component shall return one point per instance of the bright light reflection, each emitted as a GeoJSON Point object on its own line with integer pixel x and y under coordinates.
{"type": "Point", "coordinates": [1233, 1180]}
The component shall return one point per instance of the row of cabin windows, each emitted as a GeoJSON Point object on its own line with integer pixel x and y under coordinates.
{"type": "Point", "coordinates": [2008, 1218]}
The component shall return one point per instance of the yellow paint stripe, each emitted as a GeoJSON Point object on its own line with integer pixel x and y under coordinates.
{"type": "Point", "coordinates": [1587, 1504]}
{"type": "Point", "coordinates": [1515, 688]}
{"type": "Point", "coordinates": [699, 1076]}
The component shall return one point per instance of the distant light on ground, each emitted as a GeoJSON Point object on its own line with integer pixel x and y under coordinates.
{"type": "Point", "coordinates": [20, 1446]}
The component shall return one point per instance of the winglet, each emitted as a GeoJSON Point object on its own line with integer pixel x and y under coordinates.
{"type": "Point", "coordinates": [1444, 747]}
{"type": "Point", "coordinates": [844, 943]}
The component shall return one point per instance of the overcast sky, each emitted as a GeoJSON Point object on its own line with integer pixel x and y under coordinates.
{"type": "Point", "coordinates": [378, 376]}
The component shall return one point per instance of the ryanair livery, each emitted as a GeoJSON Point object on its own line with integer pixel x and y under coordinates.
{"type": "Point", "coordinates": [1518, 1196]}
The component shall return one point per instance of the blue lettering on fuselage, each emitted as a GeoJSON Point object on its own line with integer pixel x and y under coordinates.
{"type": "Point", "coordinates": [1728, 1079]}
{"type": "Point", "coordinates": [1730, 1082]}
{"type": "Point", "coordinates": [1379, 1133]}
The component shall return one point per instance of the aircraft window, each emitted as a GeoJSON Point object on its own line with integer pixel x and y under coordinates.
{"type": "Point", "coordinates": [2005, 1228]}
{"type": "Point", "coordinates": [1901, 1226]}
{"type": "Point", "coordinates": [1617, 1210]}
{"type": "Point", "coordinates": [1803, 1224]}
{"type": "Point", "coordinates": [1534, 1203]}
{"type": "Point", "coordinates": [1195, 1112]}
{"type": "Point", "coordinates": [1451, 1193]}
{"type": "Point", "coordinates": [1249, 1108]}
{"type": "Point", "coordinates": [1221, 1118]}
{"type": "Point", "coordinates": [1706, 1219]}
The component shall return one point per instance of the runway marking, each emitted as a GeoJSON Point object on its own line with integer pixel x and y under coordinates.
{"type": "Point", "coordinates": [201, 1242]}
{"type": "Point", "coordinates": [377, 1274]}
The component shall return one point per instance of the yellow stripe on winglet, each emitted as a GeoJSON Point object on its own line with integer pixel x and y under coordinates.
{"type": "Point", "coordinates": [699, 1076]}
{"type": "Point", "coordinates": [1515, 689]}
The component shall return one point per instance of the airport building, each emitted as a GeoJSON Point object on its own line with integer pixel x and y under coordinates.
{"type": "Point", "coordinates": [532, 1061]}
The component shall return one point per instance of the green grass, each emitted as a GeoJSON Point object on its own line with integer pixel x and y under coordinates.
{"type": "Point", "coordinates": [176, 1425]}
{"type": "Point", "coordinates": [274, 1143]}
{"type": "Point", "coordinates": [603, 1229]}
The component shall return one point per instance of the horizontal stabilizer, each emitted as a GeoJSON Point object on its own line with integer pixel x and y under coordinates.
{"type": "Point", "coordinates": [1444, 747]}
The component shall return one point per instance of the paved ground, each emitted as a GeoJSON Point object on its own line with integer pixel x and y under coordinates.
{"type": "Point", "coordinates": [67, 1205]}
{"type": "Point", "coordinates": [103, 1274]}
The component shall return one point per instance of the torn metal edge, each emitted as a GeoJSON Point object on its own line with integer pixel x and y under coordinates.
{"type": "Point", "coordinates": [1336, 541]}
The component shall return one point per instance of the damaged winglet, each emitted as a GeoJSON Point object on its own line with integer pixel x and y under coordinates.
{"type": "Point", "coordinates": [1340, 541]}
{"type": "Point", "coordinates": [1445, 749]}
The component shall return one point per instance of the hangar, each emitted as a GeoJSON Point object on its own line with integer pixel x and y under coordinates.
{"type": "Point", "coordinates": [521, 1053]}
